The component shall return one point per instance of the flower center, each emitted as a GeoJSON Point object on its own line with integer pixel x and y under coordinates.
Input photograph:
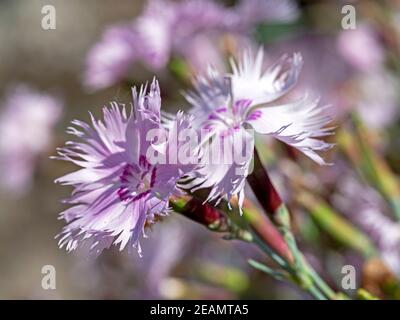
{"type": "Point", "coordinates": [136, 180]}
{"type": "Point", "coordinates": [229, 118]}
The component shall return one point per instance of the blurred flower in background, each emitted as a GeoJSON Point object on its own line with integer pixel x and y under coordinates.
{"type": "Point", "coordinates": [361, 48]}
{"type": "Point", "coordinates": [376, 94]}
{"type": "Point", "coordinates": [27, 120]}
{"type": "Point", "coordinates": [366, 208]}
{"type": "Point", "coordinates": [190, 29]}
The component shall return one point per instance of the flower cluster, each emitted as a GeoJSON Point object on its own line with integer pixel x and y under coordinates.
{"type": "Point", "coordinates": [122, 185]}
{"type": "Point", "coordinates": [168, 28]}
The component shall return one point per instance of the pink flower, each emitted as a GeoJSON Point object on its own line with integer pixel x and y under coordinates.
{"type": "Point", "coordinates": [120, 189]}
{"type": "Point", "coordinates": [228, 105]}
{"type": "Point", "coordinates": [368, 210]}
{"type": "Point", "coordinates": [109, 60]}
{"type": "Point", "coordinates": [167, 28]}
{"type": "Point", "coordinates": [361, 48]}
{"type": "Point", "coordinates": [26, 124]}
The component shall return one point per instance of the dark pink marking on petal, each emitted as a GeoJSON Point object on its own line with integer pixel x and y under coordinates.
{"type": "Point", "coordinates": [153, 177]}
{"type": "Point", "coordinates": [254, 115]}
{"type": "Point", "coordinates": [221, 110]}
{"type": "Point", "coordinates": [240, 106]}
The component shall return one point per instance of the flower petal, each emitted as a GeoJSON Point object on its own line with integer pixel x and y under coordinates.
{"type": "Point", "coordinates": [297, 124]}
{"type": "Point", "coordinates": [250, 82]}
{"type": "Point", "coordinates": [226, 164]}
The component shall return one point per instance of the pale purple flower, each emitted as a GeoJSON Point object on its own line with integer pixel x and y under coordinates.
{"type": "Point", "coordinates": [120, 188]}
{"type": "Point", "coordinates": [167, 28]}
{"type": "Point", "coordinates": [27, 119]}
{"type": "Point", "coordinates": [225, 105]}
{"type": "Point", "coordinates": [375, 89]}
{"type": "Point", "coordinates": [361, 48]}
{"type": "Point", "coordinates": [366, 208]}
{"type": "Point", "coordinates": [377, 99]}
{"type": "Point", "coordinates": [109, 60]}
{"type": "Point", "coordinates": [250, 12]}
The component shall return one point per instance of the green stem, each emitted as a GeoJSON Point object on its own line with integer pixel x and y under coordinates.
{"type": "Point", "coordinates": [266, 249]}
{"type": "Point", "coordinates": [271, 201]}
{"type": "Point", "coordinates": [214, 219]}
{"type": "Point", "coordinates": [313, 290]}
{"type": "Point", "coordinates": [321, 283]}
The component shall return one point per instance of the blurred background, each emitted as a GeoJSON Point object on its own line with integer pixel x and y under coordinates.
{"type": "Point", "coordinates": [347, 213]}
